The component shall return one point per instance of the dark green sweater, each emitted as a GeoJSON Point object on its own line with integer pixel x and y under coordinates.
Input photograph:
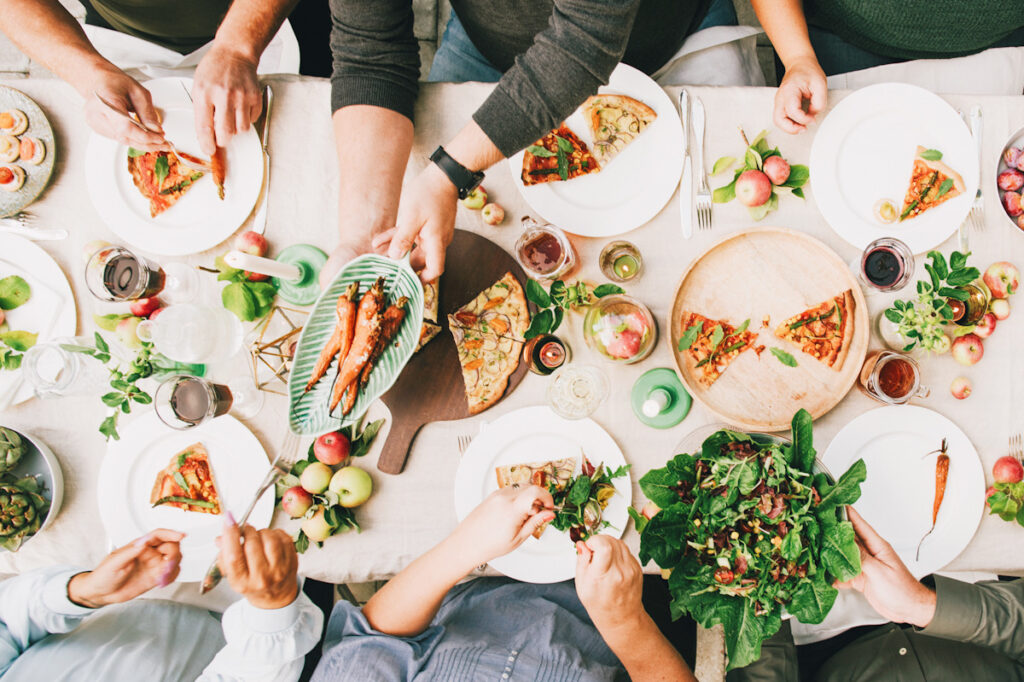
{"type": "Point", "coordinates": [918, 29]}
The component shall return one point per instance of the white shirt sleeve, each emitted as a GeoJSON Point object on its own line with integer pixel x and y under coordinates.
{"type": "Point", "coordinates": [34, 605]}
{"type": "Point", "coordinates": [265, 645]}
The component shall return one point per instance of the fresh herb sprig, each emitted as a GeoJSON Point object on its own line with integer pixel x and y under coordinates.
{"type": "Point", "coordinates": [717, 337]}
{"type": "Point", "coordinates": [339, 518]}
{"type": "Point", "coordinates": [920, 321]}
{"type": "Point", "coordinates": [247, 299]}
{"type": "Point", "coordinates": [785, 358]}
{"type": "Point", "coordinates": [756, 153]}
{"type": "Point", "coordinates": [560, 297]}
{"type": "Point", "coordinates": [562, 157]}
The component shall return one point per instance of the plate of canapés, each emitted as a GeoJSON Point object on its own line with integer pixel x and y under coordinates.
{"type": "Point", "coordinates": [27, 151]}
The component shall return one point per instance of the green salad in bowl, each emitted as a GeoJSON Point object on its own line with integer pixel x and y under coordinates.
{"type": "Point", "coordinates": [750, 526]}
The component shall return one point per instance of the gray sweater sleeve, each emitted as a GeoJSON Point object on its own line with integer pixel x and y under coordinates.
{"type": "Point", "coordinates": [376, 56]}
{"type": "Point", "coordinates": [568, 61]}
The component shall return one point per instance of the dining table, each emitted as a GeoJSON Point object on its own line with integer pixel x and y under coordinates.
{"type": "Point", "coordinates": [411, 511]}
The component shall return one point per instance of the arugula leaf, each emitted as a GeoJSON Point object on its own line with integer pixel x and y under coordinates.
{"type": "Point", "coordinates": [931, 155]}
{"type": "Point", "coordinates": [742, 328]}
{"type": "Point", "coordinates": [689, 336]}
{"type": "Point", "coordinates": [180, 480]}
{"type": "Point", "coordinates": [542, 152]}
{"type": "Point", "coordinates": [717, 334]}
{"type": "Point", "coordinates": [784, 357]}
{"type": "Point", "coordinates": [161, 168]}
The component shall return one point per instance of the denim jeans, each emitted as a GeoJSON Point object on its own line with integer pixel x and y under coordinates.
{"type": "Point", "coordinates": [458, 61]}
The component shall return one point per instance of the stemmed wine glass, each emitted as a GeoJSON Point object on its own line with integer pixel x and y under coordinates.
{"type": "Point", "coordinates": [115, 273]}
{"type": "Point", "coordinates": [184, 401]}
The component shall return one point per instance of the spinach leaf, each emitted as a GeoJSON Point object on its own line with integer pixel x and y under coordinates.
{"type": "Point", "coordinates": [791, 546]}
{"type": "Point", "coordinates": [784, 357]}
{"type": "Point", "coordinates": [744, 631]}
{"type": "Point", "coordinates": [812, 600]}
{"type": "Point", "coordinates": [662, 539]}
{"type": "Point", "coordinates": [656, 483]}
{"type": "Point", "coordinates": [639, 520]}
{"type": "Point", "coordinates": [803, 441]}
{"type": "Point", "coordinates": [847, 488]}
{"type": "Point", "coordinates": [580, 491]}
{"type": "Point", "coordinates": [839, 552]}
{"type": "Point", "coordinates": [542, 152]}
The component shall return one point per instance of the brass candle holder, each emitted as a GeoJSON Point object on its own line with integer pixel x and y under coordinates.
{"type": "Point", "coordinates": [274, 348]}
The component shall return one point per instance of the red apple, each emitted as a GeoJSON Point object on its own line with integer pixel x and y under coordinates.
{"type": "Point", "coordinates": [256, 276]}
{"type": "Point", "coordinates": [493, 214]}
{"type": "Point", "coordinates": [625, 345]}
{"type": "Point", "coordinates": [1002, 279]}
{"type": "Point", "coordinates": [1010, 180]}
{"type": "Point", "coordinates": [1000, 307]}
{"type": "Point", "coordinates": [3, 316]}
{"type": "Point", "coordinates": [968, 349]}
{"type": "Point", "coordinates": [296, 501]}
{"type": "Point", "coordinates": [144, 307]}
{"type": "Point", "coordinates": [989, 493]}
{"type": "Point", "coordinates": [1011, 156]}
{"type": "Point", "coordinates": [753, 188]}
{"type": "Point", "coordinates": [1020, 221]}
{"type": "Point", "coordinates": [960, 388]}
{"type": "Point", "coordinates": [156, 312]}
{"type": "Point", "coordinates": [1007, 469]}
{"type": "Point", "coordinates": [985, 326]}
{"type": "Point", "coordinates": [1012, 205]}
{"type": "Point", "coordinates": [777, 169]}
{"type": "Point", "coordinates": [252, 243]}
{"type": "Point", "coordinates": [332, 448]}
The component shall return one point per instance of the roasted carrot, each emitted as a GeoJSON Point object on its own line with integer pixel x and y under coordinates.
{"type": "Point", "coordinates": [367, 329]}
{"type": "Point", "coordinates": [341, 338]}
{"type": "Point", "coordinates": [218, 168]}
{"type": "Point", "coordinates": [941, 474]}
{"type": "Point", "coordinates": [389, 327]}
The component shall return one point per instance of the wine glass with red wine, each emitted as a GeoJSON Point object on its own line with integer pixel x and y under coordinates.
{"type": "Point", "coordinates": [184, 401]}
{"type": "Point", "coordinates": [115, 273]}
{"type": "Point", "coordinates": [887, 264]}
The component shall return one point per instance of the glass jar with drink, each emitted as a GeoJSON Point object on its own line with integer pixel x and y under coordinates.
{"type": "Point", "coordinates": [575, 391]}
{"type": "Point", "coordinates": [544, 251]}
{"type": "Point", "coordinates": [891, 378]}
{"type": "Point", "coordinates": [117, 274]}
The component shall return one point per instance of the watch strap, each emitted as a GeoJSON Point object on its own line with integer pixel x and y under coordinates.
{"type": "Point", "coordinates": [465, 180]}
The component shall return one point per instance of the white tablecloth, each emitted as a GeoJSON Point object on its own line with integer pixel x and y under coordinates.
{"type": "Point", "coordinates": [410, 512]}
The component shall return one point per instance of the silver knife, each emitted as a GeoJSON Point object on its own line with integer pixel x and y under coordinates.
{"type": "Point", "coordinates": [698, 136]}
{"type": "Point", "coordinates": [686, 182]}
{"type": "Point", "coordinates": [259, 221]}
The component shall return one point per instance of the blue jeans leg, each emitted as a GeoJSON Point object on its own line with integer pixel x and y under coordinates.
{"type": "Point", "coordinates": [720, 13]}
{"type": "Point", "coordinates": [457, 59]}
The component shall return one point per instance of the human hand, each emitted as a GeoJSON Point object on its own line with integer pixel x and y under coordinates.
{"type": "Point", "coordinates": [426, 219]}
{"type": "Point", "coordinates": [609, 582]}
{"type": "Point", "coordinates": [151, 561]}
{"type": "Point", "coordinates": [804, 80]}
{"type": "Point", "coordinates": [227, 96]}
{"type": "Point", "coordinates": [263, 569]}
{"type": "Point", "coordinates": [885, 581]}
{"type": "Point", "coordinates": [500, 523]}
{"type": "Point", "coordinates": [120, 89]}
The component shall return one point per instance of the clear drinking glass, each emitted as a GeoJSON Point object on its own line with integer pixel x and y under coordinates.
{"type": "Point", "coordinates": [544, 251]}
{"type": "Point", "coordinates": [576, 390]}
{"type": "Point", "coordinates": [184, 401]}
{"type": "Point", "coordinates": [193, 333]}
{"type": "Point", "coordinates": [53, 371]}
{"type": "Point", "coordinates": [116, 273]}
{"type": "Point", "coordinates": [621, 261]}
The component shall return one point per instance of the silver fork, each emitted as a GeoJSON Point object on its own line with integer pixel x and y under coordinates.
{"type": "Point", "coordinates": [978, 207]}
{"type": "Point", "coordinates": [281, 466]}
{"type": "Point", "coordinates": [1017, 446]}
{"type": "Point", "coordinates": [703, 199]}
{"type": "Point", "coordinates": [464, 441]}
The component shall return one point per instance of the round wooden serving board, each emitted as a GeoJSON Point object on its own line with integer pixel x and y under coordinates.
{"type": "Point", "coordinates": [430, 388]}
{"type": "Point", "coordinates": [778, 273]}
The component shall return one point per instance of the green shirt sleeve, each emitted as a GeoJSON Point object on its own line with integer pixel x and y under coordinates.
{"type": "Point", "coordinates": [989, 614]}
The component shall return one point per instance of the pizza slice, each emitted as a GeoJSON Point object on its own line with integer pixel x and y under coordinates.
{"type": "Point", "coordinates": [709, 346]}
{"type": "Point", "coordinates": [487, 362]}
{"type": "Point", "coordinates": [430, 327]}
{"type": "Point", "coordinates": [931, 183]}
{"type": "Point", "coordinates": [187, 483]}
{"type": "Point", "coordinates": [615, 121]}
{"type": "Point", "coordinates": [553, 476]}
{"type": "Point", "coordinates": [824, 331]}
{"type": "Point", "coordinates": [500, 309]}
{"type": "Point", "coordinates": [559, 155]}
{"type": "Point", "coordinates": [160, 178]}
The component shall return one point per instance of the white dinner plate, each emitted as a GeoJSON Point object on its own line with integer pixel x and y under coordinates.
{"type": "Point", "coordinates": [129, 471]}
{"type": "Point", "coordinates": [536, 434]}
{"type": "Point", "coordinates": [49, 312]}
{"type": "Point", "coordinates": [864, 152]}
{"type": "Point", "coordinates": [199, 220]}
{"type": "Point", "coordinates": [898, 494]}
{"type": "Point", "coordinates": [633, 187]}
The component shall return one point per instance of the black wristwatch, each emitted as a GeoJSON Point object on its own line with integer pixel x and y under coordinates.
{"type": "Point", "coordinates": [464, 179]}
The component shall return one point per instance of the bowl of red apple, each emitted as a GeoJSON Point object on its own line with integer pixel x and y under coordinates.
{"type": "Point", "coordinates": [620, 328]}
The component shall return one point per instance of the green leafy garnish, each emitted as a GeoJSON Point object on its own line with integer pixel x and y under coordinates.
{"type": "Point", "coordinates": [542, 152]}
{"type": "Point", "coordinates": [161, 168]}
{"type": "Point", "coordinates": [579, 503]}
{"type": "Point", "coordinates": [784, 357]}
{"type": "Point", "coordinates": [689, 336]}
{"type": "Point", "coordinates": [946, 185]}
{"type": "Point", "coordinates": [931, 155]}
{"type": "Point", "coordinates": [560, 297]}
{"type": "Point", "coordinates": [134, 153]}
{"type": "Point", "coordinates": [248, 300]}
{"type": "Point", "coordinates": [185, 500]}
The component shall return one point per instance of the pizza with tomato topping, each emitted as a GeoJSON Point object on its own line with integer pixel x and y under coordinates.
{"type": "Point", "coordinates": [709, 346]}
{"type": "Point", "coordinates": [824, 331]}
{"type": "Point", "coordinates": [187, 483]}
{"type": "Point", "coordinates": [932, 182]}
{"type": "Point", "coordinates": [559, 155]}
{"type": "Point", "coordinates": [488, 333]}
{"type": "Point", "coordinates": [160, 178]}
{"type": "Point", "coordinates": [553, 476]}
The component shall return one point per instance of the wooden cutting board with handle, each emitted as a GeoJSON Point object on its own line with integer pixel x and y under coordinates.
{"type": "Point", "coordinates": [430, 388]}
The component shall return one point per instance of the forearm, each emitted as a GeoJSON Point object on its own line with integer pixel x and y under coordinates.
{"type": "Point", "coordinates": [249, 26]}
{"type": "Point", "coordinates": [473, 149]}
{"type": "Point", "coordinates": [47, 33]}
{"type": "Point", "coordinates": [786, 26]}
{"type": "Point", "coordinates": [373, 145]}
{"type": "Point", "coordinates": [643, 650]}
{"type": "Point", "coordinates": [407, 604]}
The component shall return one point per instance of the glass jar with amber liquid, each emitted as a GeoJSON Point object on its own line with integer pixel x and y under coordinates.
{"type": "Point", "coordinates": [891, 378]}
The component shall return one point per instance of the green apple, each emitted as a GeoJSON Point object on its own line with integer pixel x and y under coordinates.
{"type": "Point", "coordinates": [352, 485]}
{"type": "Point", "coordinates": [316, 527]}
{"type": "Point", "coordinates": [316, 477]}
{"type": "Point", "coordinates": [476, 199]}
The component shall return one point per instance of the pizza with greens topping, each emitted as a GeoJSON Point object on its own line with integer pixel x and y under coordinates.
{"type": "Point", "coordinates": [160, 178]}
{"type": "Point", "coordinates": [187, 483]}
{"type": "Point", "coordinates": [824, 331]}
{"type": "Point", "coordinates": [559, 155]}
{"type": "Point", "coordinates": [709, 346]}
{"type": "Point", "coordinates": [932, 182]}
